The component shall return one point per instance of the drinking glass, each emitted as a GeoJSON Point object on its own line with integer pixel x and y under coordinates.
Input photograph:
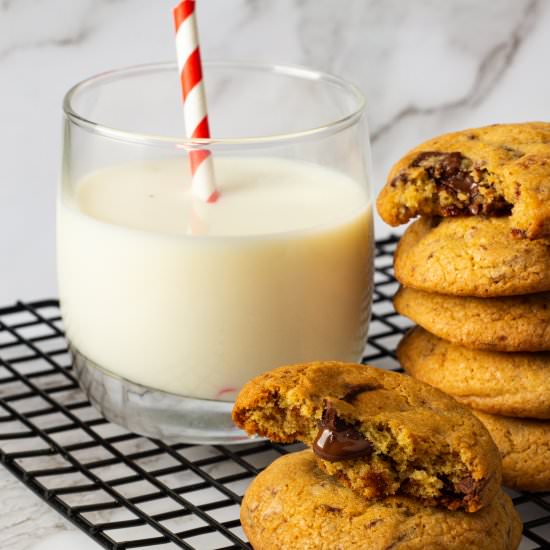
{"type": "Point", "coordinates": [170, 304]}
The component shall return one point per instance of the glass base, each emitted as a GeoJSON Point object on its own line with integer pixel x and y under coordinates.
{"type": "Point", "coordinates": [155, 413]}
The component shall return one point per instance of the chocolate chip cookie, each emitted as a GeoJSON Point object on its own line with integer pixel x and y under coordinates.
{"type": "Point", "coordinates": [378, 432]}
{"type": "Point", "coordinates": [498, 170]}
{"type": "Point", "coordinates": [525, 448]}
{"type": "Point", "coordinates": [512, 323]}
{"type": "Point", "coordinates": [509, 384]}
{"type": "Point", "coordinates": [471, 257]}
{"type": "Point", "coordinates": [294, 505]}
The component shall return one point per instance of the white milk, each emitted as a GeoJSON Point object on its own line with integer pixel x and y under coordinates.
{"type": "Point", "coordinates": [195, 299]}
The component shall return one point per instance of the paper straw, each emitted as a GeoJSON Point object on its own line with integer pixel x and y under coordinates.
{"type": "Point", "coordinates": [195, 112]}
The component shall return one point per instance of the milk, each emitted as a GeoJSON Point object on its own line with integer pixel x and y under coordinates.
{"type": "Point", "coordinates": [195, 299]}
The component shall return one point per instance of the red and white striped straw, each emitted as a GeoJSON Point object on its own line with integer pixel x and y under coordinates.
{"type": "Point", "coordinates": [203, 183]}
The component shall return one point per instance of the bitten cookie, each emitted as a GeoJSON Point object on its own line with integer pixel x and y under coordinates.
{"type": "Point", "coordinates": [471, 257]}
{"type": "Point", "coordinates": [378, 432]}
{"type": "Point", "coordinates": [512, 323]}
{"type": "Point", "coordinates": [509, 384]}
{"type": "Point", "coordinates": [493, 171]}
{"type": "Point", "coordinates": [525, 448]}
{"type": "Point", "coordinates": [293, 505]}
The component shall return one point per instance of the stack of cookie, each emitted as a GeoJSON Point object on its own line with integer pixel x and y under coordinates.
{"type": "Point", "coordinates": [393, 462]}
{"type": "Point", "coordinates": [475, 270]}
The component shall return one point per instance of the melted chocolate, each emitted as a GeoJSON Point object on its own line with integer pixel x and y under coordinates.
{"type": "Point", "coordinates": [339, 440]}
{"type": "Point", "coordinates": [455, 172]}
{"type": "Point", "coordinates": [465, 492]}
{"type": "Point", "coordinates": [448, 170]}
{"type": "Point", "coordinates": [466, 485]}
{"type": "Point", "coordinates": [472, 488]}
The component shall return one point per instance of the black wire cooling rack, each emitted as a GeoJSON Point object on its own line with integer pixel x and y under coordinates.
{"type": "Point", "coordinates": [128, 491]}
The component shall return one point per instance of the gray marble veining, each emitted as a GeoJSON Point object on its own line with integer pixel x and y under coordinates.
{"type": "Point", "coordinates": [426, 67]}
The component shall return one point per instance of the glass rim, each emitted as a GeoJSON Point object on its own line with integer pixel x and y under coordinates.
{"type": "Point", "coordinates": [330, 127]}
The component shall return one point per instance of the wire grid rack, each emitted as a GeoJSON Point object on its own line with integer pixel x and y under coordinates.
{"type": "Point", "coordinates": [128, 491]}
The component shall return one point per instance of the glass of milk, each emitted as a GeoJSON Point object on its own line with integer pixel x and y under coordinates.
{"type": "Point", "coordinates": [170, 304]}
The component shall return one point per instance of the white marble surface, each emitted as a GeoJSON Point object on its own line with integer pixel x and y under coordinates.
{"type": "Point", "coordinates": [28, 523]}
{"type": "Point", "coordinates": [426, 67]}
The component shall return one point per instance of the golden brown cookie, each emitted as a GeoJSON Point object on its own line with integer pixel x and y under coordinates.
{"type": "Point", "coordinates": [294, 505]}
{"type": "Point", "coordinates": [471, 257]}
{"type": "Point", "coordinates": [509, 384]}
{"type": "Point", "coordinates": [511, 323]}
{"type": "Point", "coordinates": [495, 170]}
{"type": "Point", "coordinates": [378, 432]}
{"type": "Point", "coordinates": [525, 448]}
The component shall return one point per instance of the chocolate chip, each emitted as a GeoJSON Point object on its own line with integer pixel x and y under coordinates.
{"type": "Point", "coordinates": [452, 211]}
{"type": "Point", "coordinates": [354, 391]}
{"type": "Point", "coordinates": [515, 153]}
{"type": "Point", "coordinates": [475, 208]}
{"type": "Point", "coordinates": [372, 523]}
{"type": "Point", "coordinates": [461, 182]}
{"type": "Point", "coordinates": [528, 162]}
{"type": "Point", "coordinates": [460, 176]}
{"type": "Point", "coordinates": [448, 492]}
{"type": "Point", "coordinates": [407, 513]}
{"type": "Point", "coordinates": [519, 233]}
{"type": "Point", "coordinates": [450, 170]}
{"type": "Point", "coordinates": [400, 178]}
{"type": "Point", "coordinates": [378, 481]}
{"type": "Point", "coordinates": [396, 542]}
{"type": "Point", "coordinates": [497, 207]}
{"type": "Point", "coordinates": [338, 439]}
{"type": "Point", "coordinates": [330, 509]}
{"type": "Point", "coordinates": [331, 420]}
{"type": "Point", "coordinates": [471, 489]}
{"type": "Point", "coordinates": [466, 485]}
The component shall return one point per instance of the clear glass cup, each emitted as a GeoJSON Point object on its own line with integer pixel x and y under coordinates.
{"type": "Point", "coordinates": [169, 304]}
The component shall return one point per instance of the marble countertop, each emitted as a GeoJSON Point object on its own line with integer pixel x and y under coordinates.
{"type": "Point", "coordinates": [28, 523]}
{"type": "Point", "coordinates": [426, 67]}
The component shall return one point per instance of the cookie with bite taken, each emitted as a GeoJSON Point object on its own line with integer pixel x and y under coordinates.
{"type": "Point", "coordinates": [378, 432]}
{"type": "Point", "coordinates": [498, 170]}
